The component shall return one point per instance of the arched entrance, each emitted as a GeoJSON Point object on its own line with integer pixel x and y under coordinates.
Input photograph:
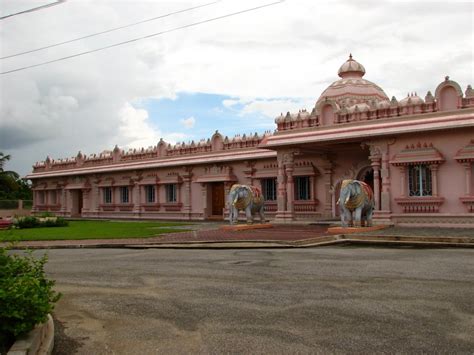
{"type": "Point", "coordinates": [366, 175]}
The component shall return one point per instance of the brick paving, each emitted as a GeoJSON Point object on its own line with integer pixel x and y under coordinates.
{"type": "Point", "coordinates": [279, 233]}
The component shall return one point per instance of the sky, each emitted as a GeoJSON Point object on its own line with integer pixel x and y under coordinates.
{"type": "Point", "coordinates": [234, 75]}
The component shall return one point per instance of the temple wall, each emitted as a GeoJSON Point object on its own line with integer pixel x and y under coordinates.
{"type": "Point", "coordinates": [451, 174]}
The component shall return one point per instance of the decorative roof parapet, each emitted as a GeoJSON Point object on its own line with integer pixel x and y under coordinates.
{"type": "Point", "coordinates": [161, 150]}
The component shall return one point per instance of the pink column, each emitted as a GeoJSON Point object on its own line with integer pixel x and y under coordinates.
{"type": "Point", "coordinates": [187, 194]}
{"type": "Point", "coordinates": [281, 194]}
{"type": "Point", "coordinates": [327, 185]}
{"type": "Point", "coordinates": [403, 181]}
{"type": "Point", "coordinates": [136, 197]}
{"type": "Point", "coordinates": [376, 167]}
{"type": "Point", "coordinates": [434, 179]}
{"type": "Point", "coordinates": [290, 189]}
{"type": "Point", "coordinates": [468, 174]}
{"type": "Point", "coordinates": [385, 173]}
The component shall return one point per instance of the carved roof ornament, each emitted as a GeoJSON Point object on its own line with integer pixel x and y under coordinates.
{"type": "Point", "coordinates": [418, 154]}
{"type": "Point", "coordinates": [469, 92]}
{"type": "Point", "coordinates": [466, 154]}
{"type": "Point", "coordinates": [429, 98]}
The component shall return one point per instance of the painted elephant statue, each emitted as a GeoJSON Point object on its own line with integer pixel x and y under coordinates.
{"type": "Point", "coordinates": [247, 198]}
{"type": "Point", "coordinates": [356, 198]}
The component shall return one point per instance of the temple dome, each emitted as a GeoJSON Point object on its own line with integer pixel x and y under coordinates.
{"type": "Point", "coordinates": [411, 99]}
{"type": "Point", "coordinates": [352, 89]}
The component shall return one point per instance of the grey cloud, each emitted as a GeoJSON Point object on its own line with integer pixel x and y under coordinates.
{"type": "Point", "coordinates": [15, 137]}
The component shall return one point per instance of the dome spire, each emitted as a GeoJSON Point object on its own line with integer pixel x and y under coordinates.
{"type": "Point", "coordinates": [351, 68]}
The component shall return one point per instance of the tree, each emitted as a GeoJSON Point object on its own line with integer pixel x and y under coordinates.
{"type": "Point", "coordinates": [11, 186]}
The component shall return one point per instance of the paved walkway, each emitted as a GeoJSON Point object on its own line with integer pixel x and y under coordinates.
{"type": "Point", "coordinates": [210, 236]}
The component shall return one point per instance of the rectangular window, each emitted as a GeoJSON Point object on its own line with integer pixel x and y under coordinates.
{"type": "Point", "coordinates": [107, 195]}
{"type": "Point", "coordinates": [269, 189]}
{"type": "Point", "coordinates": [124, 194]}
{"type": "Point", "coordinates": [171, 190]}
{"type": "Point", "coordinates": [150, 193]}
{"type": "Point", "coordinates": [419, 180]}
{"type": "Point", "coordinates": [302, 188]}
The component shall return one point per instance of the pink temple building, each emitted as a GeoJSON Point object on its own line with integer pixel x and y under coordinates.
{"type": "Point", "coordinates": [416, 153]}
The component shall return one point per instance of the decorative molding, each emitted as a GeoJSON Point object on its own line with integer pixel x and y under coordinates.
{"type": "Point", "coordinates": [418, 154]}
{"type": "Point", "coordinates": [466, 154]}
{"type": "Point", "coordinates": [468, 201]}
{"type": "Point", "coordinates": [427, 204]}
{"type": "Point", "coordinates": [217, 173]}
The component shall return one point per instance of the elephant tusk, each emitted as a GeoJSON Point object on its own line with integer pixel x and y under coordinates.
{"type": "Point", "coordinates": [235, 200]}
{"type": "Point", "coordinates": [347, 199]}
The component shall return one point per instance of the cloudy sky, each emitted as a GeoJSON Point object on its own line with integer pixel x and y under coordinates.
{"type": "Point", "coordinates": [235, 74]}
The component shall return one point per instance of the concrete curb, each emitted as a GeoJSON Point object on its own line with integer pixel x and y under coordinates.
{"type": "Point", "coordinates": [326, 240]}
{"type": "Point", "coordinates": [39, 341]}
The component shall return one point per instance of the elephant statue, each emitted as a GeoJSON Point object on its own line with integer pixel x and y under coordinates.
{"type": "Point", "coordinates": [247, 198]}
{"type": "Point", "coordinates": [356, 197]}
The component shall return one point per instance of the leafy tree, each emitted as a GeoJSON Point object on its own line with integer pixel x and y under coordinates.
{"type": "Point", "coordinates": [12, 187]}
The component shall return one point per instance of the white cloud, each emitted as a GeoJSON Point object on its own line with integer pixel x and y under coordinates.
{"type": "Point", "coordinates": [269, 107]}
{"type": "Point", "coordinates": [290, 50]}
{"type": "Point", "coordinates": [188, 122]}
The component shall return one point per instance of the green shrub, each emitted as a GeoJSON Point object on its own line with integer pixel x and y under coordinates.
{"type": "Point", "coordinates": [26, 295]}
{"type": "Point", "coordinates": [34, 222]}
{"type": "Point", "coordinates": [27, 222]}
{"type": "Point", "coordinates": [46, 214]}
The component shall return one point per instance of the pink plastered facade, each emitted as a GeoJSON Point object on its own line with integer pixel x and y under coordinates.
{"type": "Point", "coordinates": [416, 153]}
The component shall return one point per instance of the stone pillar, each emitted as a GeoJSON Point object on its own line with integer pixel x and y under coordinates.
{"type": "Point", "coordinates": [403, 181]}
{"type": "Point", "coordinates": [385, 173]}
{"type": "Point", "coordinates": [375, 162]}
{"type": "Point", "coordinates": [68, 202]}
{"type": "Point", "coordinates": [248, 171]}
{"type": "Point", "coordinates": [281, 192]}
{"type": "Point", "coordinates": [95, 197]}
{"type": "Point", "coordinates": [136, 198]}
{"type": "Point", "coordinates": [290, 190]}
{"type": "Point", "coordinates": [63, 200]}
{"type": "Point", "coordinates": [468, 176]}
{"type": "Point", "coordinates": [187, 206]}
{"type": "Point", "coordinates": [328, 170]}
{"type": "Point", "coordinates": [85, 200]}
{"type": "Point", "coordinates": [434, 180]}
{"type": "Point", "coordinates": [205, 204]}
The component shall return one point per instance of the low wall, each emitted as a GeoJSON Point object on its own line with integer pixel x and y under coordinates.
{"type": "Point", "coordinates": [39, 341]}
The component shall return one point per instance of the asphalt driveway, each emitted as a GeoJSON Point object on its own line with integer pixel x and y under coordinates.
{"type": "Point", "coordinates": [326, 300]}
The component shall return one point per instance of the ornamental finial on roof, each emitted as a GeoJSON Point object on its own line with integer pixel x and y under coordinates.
{"type": "Point", "coordinates": [350, 56]}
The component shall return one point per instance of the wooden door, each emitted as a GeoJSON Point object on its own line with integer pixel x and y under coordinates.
{"type": "Point", "coordinates": [218, 198]}
{"type": "Point", "coordinates": [80, 202]}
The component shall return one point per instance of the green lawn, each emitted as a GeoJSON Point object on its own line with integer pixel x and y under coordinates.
{"type": "Point", "coordinates": [93, 230]}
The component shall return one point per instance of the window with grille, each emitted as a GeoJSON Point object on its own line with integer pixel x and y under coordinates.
{"type": "Point", "coordinates": [124, 194]}
{"type": "Point", "coordinates": [419, 180]}
{"type": "Point", "coordinates": [107, 195]}
{"type": "Point", "coordinates": [302, 188]}
{"type": "Point", "coordinates": [269, 189]}
{"type": "Point", "coordinates": [150, 193]}
{"type": "Point", "coordinates": [171, 193]}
